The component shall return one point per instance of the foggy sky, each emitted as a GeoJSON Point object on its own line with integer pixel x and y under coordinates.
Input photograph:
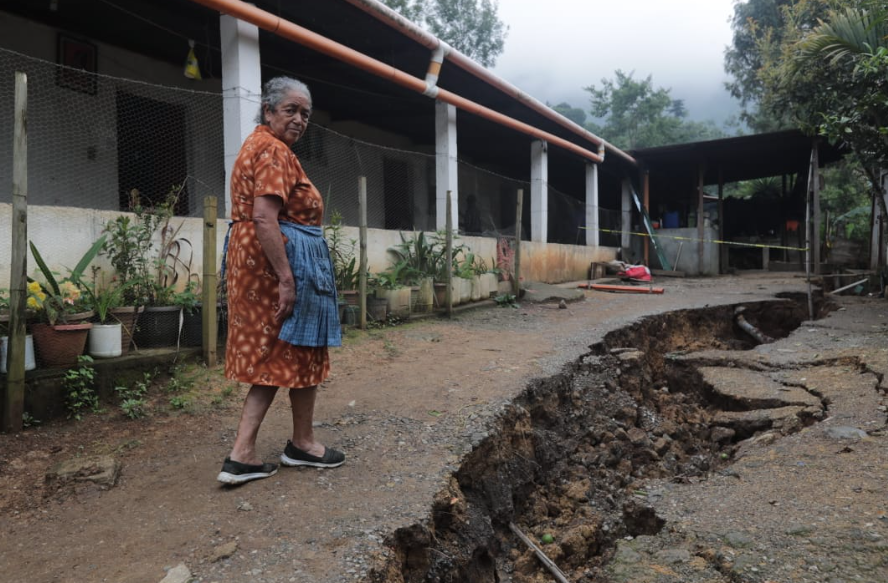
{"type": "Point", "coordinates": [555, 48]}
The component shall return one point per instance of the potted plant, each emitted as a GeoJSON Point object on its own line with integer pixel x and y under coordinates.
{"type": "Point", "coordinates": [106, 335]}
{"type": "Point", "coordinates": [154, 268]}
{"type": "Point", "coordinates": [60, 334]}
{"type": "Point", "coordinates": [128, 248]}
{"type": "Point", "coordinates": [418, 258]}
{"type": "Point", "coordinates": [387, 286]}
{"type": "Point", "coordinates": [342, 252]}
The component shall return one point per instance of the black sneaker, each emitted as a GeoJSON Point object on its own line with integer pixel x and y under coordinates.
{"type": "Point", "coordinates": [293, 456]}
{"type": "Point", "coordinates": [234, 473]}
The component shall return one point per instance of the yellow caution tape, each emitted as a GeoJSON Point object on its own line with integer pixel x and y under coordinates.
{"type": "Point", "coordinates": [696, 240]}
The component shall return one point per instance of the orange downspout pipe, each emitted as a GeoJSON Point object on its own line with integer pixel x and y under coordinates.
{"type": "Point", "coordinates": [393, 19]}
{"type": "Point", "coordinates": [303, 36]}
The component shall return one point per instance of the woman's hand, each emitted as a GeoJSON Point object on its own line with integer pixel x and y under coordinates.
{"type": "Point", "coordinates": [286, 300]}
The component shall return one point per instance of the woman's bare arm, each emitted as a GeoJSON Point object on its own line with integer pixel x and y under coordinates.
{"type": "Point", "coordinates": [265, 217]}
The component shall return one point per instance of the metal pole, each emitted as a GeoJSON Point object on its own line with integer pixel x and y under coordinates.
{"type": "Point", "coordinates": [516, 283]}
{"type": "Point", "coordinates": [448, 255]}
{"type": "Point", "coordinates": [646, 198]}
{"type": "Point", "coordinates": [362, 249]}
{"type": "Point", "coordinates": [14, 401]}
{"type": "Point", "coordinates": [701, 233]}
{"type": "Point", "coordinates": [209, 321]}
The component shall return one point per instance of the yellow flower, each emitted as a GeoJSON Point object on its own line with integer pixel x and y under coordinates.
{"type": "Point", "coordinates": [36, 296]}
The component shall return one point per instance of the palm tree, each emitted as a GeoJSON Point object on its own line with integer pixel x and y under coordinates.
{"type": "Point", "coordinates": [853, 44]}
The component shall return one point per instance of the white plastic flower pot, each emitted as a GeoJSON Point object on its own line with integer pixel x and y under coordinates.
{"type": "Point", "coordinates": [30, 362]}
{"type": "Point", "coordinates": [105, 340]}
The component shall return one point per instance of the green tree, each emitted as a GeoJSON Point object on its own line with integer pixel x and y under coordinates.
{"type": "Point", "coordinates": [472, 27]}
{"type": "Point", "coordinates": [760, 28]}
{"type": "Point", "coordinates": [832, 80]}
{"type": "Point", "coordinates": [638, 115]}
{"type": "Point", "coordinates": [574, 114]}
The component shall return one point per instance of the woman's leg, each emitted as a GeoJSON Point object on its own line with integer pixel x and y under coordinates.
{"type": "Point", "coordinates": [256, 405]}
{"type": "Point", "coordinates": [302, 401]}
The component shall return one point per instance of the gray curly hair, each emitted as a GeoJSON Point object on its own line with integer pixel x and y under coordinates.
{"type": "Point", "coordinates": [275, 90]}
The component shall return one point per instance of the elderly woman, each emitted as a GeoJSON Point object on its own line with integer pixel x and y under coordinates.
{"type": "Point", "coordinates": [282, 302]}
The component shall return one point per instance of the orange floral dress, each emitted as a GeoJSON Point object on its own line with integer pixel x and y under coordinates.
{"type": "Point", "coordinates": [253, 353]}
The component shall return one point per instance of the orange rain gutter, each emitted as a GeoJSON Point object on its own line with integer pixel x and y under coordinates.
{"type": "Point", "coordinates": [286, 29]}
{"type": "Point", "coordinates": [382, 12]}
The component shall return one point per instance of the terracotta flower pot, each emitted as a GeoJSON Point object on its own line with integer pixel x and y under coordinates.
{"type": "Point", "coordinates": [59, 345]}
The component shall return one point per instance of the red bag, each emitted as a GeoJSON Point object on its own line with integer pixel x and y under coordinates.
{"type": "Point", "coordinates": [638, 272]}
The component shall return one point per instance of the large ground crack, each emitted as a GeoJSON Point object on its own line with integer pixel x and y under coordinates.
{"type": "Point", "coordinates": [568, 461]}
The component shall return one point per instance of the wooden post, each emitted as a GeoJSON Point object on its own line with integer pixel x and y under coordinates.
{"type": "Point", "coordinates": [722, 248]}
{"type": "Point", "coordinates": [14, 401]}
{"type": "Point", "coordinates": [516, 279]}
{"type": "Point", "coordinates": [646, 194]}
{"type": "Point", "coordinates": [209, 318]}
{"type": "Point", "coordinates": [362, 249]}
{"type": "Point", "coordinates": [701, 246]}
{"type": "Point", "coordinates": [448, 255]}
{"type": "Point", "coordinates": [815, 204]}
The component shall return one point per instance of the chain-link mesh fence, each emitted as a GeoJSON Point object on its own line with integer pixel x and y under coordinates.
{"type": "Point", "coordinates": [94, 139]}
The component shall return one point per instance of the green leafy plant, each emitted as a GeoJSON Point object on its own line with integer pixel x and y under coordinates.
{"type": "Point", "coordinates": [104, 298]}
{"type": "Point", "coordinates": [506, 300]}
{"type": "Point", "coordinates": [55, 299]}
{"type": "Point", "coordinates": [417, 257]}
{"type": "Point", "coordinates": [80, 393]}
{"type": "Point", "coordinates": [342, 252]}
{"type": "Point", "coordinates": [131, 250]}
{"type": "Point", "coordinates": [464, 268]}
{"type": "Point", "coordinates": [189, 298]}
{"type": "Point", "coordinates": [179, 402]}
{"type": "Point", "coordinates": [390, 279]}
{"type": "Point", "coordinates": [28, 420]}
{"type": "Point", "coordinates": [132, 399]}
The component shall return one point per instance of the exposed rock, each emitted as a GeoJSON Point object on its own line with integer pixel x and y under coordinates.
{"type": "Point", "coordinates": [754, 390]}
{"type": "Point", "coordinates": [102, 471]}
{"type": "Point", "coordinates": [844, 432]}
{"type": "Point", "coordinates": [746, 422]}
{"type": "Point", "coordinates": [178, 574]}
{"type": "Point", "coordinates": [720, 434]}
{"type": "Point", "coordinates": [673, 556]}
{"type": "Point", "coordinates": [223, 551]}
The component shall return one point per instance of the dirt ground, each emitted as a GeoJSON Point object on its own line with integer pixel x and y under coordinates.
{"type": "Point", "coordinates": [406, 404]}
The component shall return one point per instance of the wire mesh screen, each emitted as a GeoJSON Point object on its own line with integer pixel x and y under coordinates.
{"type": "Point", "coordinates": [567, 217]}
{"type": "Point", "coordinates": [610, 223]}
{"type": "Point", "coordinates": [94, 140]}
{"type": "Point", "coordinates": [488, 203]}
{"type": "Point", "coordinates": [400, 183]}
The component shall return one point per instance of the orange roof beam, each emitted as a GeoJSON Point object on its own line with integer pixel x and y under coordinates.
{"type": "Point", "coordinates": [286, 29]}
{"type": "Point", "coordinates": [382, 12]}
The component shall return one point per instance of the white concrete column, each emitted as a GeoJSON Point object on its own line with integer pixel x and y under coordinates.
{"type": "Point", "coordinates": [241, 91]}
{"type": "Point", "coordinates": [626, 223]}
{"type": "Point", "coordinates": [539, 191]}
{"type": "Point", "coordinates": [446, 165]}
{"type": "Point", "coordinates": [592, 223]}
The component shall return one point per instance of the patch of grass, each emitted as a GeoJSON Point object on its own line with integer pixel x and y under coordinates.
{"type": "Point", "coordinates": [180, 402]}
{"type": "Point", "coordinates": [132, 398]}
